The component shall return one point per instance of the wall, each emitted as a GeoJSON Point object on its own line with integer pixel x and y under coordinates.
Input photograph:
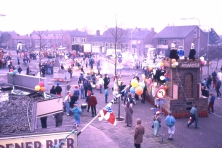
{"type": "Point", "coordinates": [27, 81]}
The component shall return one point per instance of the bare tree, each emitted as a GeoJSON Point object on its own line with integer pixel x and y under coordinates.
{"type": "Point", "coordinates": [40, 34]}
{"type": "Point", "coordinates": [117, 33]}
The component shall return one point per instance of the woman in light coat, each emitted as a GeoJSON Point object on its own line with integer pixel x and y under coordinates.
{"type": "Point", "coordinates": [128, 114]}
{"type": "Point", "coordinates": [157, 121]}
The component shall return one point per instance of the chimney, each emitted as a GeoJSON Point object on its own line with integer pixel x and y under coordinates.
{"type": "Point", "coordinates": [152, 29]}
{"type": "Point", "coordinates": [97, 32]}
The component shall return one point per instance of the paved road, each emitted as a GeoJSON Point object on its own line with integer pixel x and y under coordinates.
{"type": "Point", "coordinates": [103, 134]}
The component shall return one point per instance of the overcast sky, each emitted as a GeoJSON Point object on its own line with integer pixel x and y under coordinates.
{"type": "Point", "coordinates": [24, 16]}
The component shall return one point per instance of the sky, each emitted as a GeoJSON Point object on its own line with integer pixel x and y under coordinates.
{"type": "Point", "coordinates": [24, 16]}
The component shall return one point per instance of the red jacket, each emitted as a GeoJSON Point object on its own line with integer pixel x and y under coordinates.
{"type": "Point", "coordinates": [92, 101]}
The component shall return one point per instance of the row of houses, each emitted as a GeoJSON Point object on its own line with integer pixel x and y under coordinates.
{"type": "Point", "coordinates": [134, 40]}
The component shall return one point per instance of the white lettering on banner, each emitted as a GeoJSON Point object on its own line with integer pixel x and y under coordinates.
{"type": "Point", "coordinates": [190, 65]}
{"type": "Point", "coordinates": [39, 141]}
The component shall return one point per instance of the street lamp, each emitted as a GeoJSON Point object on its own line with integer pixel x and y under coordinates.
{"type": "Point", "coordinates": [198, 35]}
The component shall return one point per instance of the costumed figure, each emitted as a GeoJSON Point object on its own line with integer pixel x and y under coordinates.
{"type": "Point", "coordinates": [173, 52]}
{"type": "Point", "coordinates": [192, 52]}
{"type": "Point", "coordinates": [180, 52]}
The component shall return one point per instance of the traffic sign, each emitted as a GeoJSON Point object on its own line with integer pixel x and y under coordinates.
{"type": "Point", "coordinates": [119, 56]}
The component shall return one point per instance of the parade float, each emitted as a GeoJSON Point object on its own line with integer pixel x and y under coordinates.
{"type": "Point", "coordinates": [175, 82]}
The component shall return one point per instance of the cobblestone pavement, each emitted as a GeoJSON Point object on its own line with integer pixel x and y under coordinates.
{"type": "Point", "coordinates": [103, 134]}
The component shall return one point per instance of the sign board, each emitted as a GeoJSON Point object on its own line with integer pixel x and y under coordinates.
{"type": "Point", "coordinates": [48, 107]}
{"type": "Point", "coordinates": [161, 93]}
{"type": "Point", "coordinates": [175, 91]}
{"type": "Point", "coordinates": [189, 65]}
{"type": "Point", "coordinates": [55, 69]}
{"type": "Point", "coordinates": [39, 141]}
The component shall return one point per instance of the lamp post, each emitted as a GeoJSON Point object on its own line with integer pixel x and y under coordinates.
{"type": "Point", "coordinates": [198, 53]}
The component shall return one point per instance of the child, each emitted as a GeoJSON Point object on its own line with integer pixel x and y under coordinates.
{"type": "Point", "coordinates": [106, 92]}
{"type": "Point", "coordinates": [77, 112]}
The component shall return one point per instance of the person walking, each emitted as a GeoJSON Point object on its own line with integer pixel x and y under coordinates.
{"type": "Point", "coordinates": [101, 83]}
{"type": "Point", "coordinates": [67, 101]}
{"type": "Point", "coordinates": [106, 81]}
{"type": "Point", "coordinates": [218, 85]}
{"type": "Point", "coordinates": [27, 70]}
{"type": "Point", "coordinates": [194, 116]}
{"type": "Point", "coordinates": [106, 93]}
{"type": "Point", "coordinates": [44, 121]}
{"type": "Point", "coordinates": [138, 134]}
{"type": "Point", "coordinates": [157, 121]}
{"type": "Point", "coordinates": [81, 87]}
{"type": "Point", "coordinates": [58, 119]}
{"type": "Point", "coordinates": [211, 103]}
{"type": "Point", "coordinates": [19, 70]}
{"type": "Point", "coordinates": [209, 82]}
{"type": "Point", "coordinates": [76, 114]}
{"type": "Point", "coordinates": [92, 103]}
{"type": "Point", "coordinates": [170, 122]}
{"type": "Point", "coordinates": [128, 114]}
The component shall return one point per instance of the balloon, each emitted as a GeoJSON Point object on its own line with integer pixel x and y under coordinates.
{"type": "Point", "coordinates": [162, 78]}
{"type": "Point", "coordinates": [132, 90]}
{"type": "Point", "coordinates": [155, 84]}
{"type": "Point", "coordinates": [37, 87]}
{"type": "Point", "coordinates": [162, 64]}
{"type": "Point", "coordinates": [11, 73]}
{"type": "Point", "coordinates": [15, 71]}
{"type": "Point", "coordinates": [11, 70]}
{"type": "Point", "coordinates": [176, 63]}
{"type": "Point", "coordinates": [167, 79]}
{"type": "Point", "coordinates": [162, 86]}
{"type": "Point", "coordinates": [41, 84]}
{"type": "Point", "coordinates": [139, 90]}
{"type": "Point", "coordinates": [150, 79]}
{"type": "Point", "coordinates": [143, 76]}
{"type": "Point", "coordinates": [202, 62]}
{"type": "Point", "coordinates": [141, 84]}
{"type": "Point", "coordinates": [173, 66]}
{"type": "Point", "coordinates": [173, 60]}
{"type": "Point", "coordinates": [42, 89]}
{"type": "Point", "coordinates": [134, 83]}
{"type": "Point", "coordinates": [202, 58]}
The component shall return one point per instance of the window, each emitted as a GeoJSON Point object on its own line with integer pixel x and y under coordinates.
{"type": "Point", "coordinates": [83, 40]}
{"type": "Point", "coordinates": [195, 33]}
{"type": "Point", "coordinates": [162, 42]}
{"type": "Point", "coordinates": [74, 39]}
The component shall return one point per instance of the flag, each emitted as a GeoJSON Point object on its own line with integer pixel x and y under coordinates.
{"type": "Point", "coordinates": [107, 114]}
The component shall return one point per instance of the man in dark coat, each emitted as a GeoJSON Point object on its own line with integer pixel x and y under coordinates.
{"type": "Point", "coordinates": [27, 70]}
{"type": "Point", "coordinates": [52, 90]}
{"type": "Point", "coordinates": [92, 103]}
{"type": "Point", "coordinates": [106, 81]}
{"type": "Point", "coordinates": [58, 89]}
{"type": "Point", "coordinates": [44, 122]}
{"type": "Point", "coordinates": [192, 52]}
{"type": "Point", "coordinates": [58, 119]}
{"type": "Point", "coordinates": [139, 132]}
{"type": "Point", "coordinates": [173, 52]}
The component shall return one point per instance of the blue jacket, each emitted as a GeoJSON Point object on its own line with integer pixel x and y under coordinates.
{"type": "Point", "coordinates": [170, 120]}
{"type": "Point", "coordinates": [77, 112]}
{"type": "Point", "coordinates": [212, 99]}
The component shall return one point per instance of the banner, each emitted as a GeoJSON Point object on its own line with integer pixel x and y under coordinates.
{"type": "Point", "coordinates": [39, 141]}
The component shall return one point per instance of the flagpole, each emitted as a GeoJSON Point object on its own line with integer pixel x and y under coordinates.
{"type": "Point", "coordinates": [91, 121]}
{"type": "Point", "coordinates": [87, 125]}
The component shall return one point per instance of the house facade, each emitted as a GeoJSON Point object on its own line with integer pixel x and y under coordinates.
{"type": "Point", "coordinates": [180, 36]}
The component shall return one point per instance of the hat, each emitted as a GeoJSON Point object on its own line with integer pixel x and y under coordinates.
{"type": "Point", "coordinates": [57, 83]}
{"type": "Point", "coordinates": [76, 86]}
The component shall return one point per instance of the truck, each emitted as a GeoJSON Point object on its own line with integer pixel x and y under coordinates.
{"type": "Point", "coordinates": [82, 49]}
{"type": "Point", "coordinates": [96, 49]}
